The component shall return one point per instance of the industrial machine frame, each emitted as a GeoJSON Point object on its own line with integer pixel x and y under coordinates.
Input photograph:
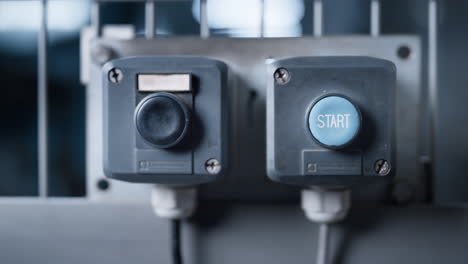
{"type": "Point", "coordinates": [238, 220]}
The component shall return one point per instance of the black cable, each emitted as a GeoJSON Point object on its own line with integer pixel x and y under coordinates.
{"type": "Point", "coordinates": [176, 242]}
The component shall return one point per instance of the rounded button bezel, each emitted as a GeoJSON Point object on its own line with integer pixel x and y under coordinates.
{"type": "Point", "coordinates": [308, 112]}
{"type": "Point", "coordinates": [180, 103]}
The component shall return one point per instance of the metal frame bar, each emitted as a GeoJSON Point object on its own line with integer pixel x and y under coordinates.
{"type": "Point", "coordinates": [149, 19]}
{"type": "Point", "coordinates": [432, 71]}
{"type": "Point", "coordinates": [204, 29]}
{"type": "Point", "coordinates": [42, 107]}
{"type": "Point", "coordinates": [375, 18]}
{"type": "Point", "coordinates": [96, 18]}
{"type": "Point", "coordinates": [262, 18]}
{"type": "Point", "coordinates": [318, 18]}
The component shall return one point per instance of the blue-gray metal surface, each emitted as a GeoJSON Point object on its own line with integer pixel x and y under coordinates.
{"type": "Point", "coordinates": [247, 85]}
{"type": "Point", "coordinates": [450, 113]}
{"type": "Point", "coordinates": [78, 231]}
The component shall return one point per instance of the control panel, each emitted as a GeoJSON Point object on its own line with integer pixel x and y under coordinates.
{"type": "Point", "coordinates": [165, 119]}
{"type": "Point", "coordinates": [330, 120]}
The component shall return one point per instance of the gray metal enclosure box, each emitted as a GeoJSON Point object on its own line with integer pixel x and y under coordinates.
{"type": "Point", "coordinates": [127, 157]}
{"type": "Point", "coordinates": [247, 82]}
{"type": "Point", "coordinates": [369, 83]}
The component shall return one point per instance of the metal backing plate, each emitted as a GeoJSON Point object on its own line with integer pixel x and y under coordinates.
{"type": "Point", "coordinates": [246, 58]}
{"type": "Point", "coordinates": [77, 231]}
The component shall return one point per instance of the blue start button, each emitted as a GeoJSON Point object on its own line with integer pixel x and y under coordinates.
{"type": "Point", "coordinates": [334, 121]}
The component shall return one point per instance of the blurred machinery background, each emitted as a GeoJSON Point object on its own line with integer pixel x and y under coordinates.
{"type": "Point", "coordinates": [56, 205]}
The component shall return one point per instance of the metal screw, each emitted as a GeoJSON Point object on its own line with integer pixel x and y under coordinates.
{"type": "Point", "coordinates": [311, 167]}
{"type": "Point", "coordinates": [103, 184]}
{"type": "Point", "coordinates": [213, 166]}
{"type": "Point", "coordinates": [404, 52]}
{"type": "Point", "coordinates": [382, 167]}
{"type": "Point", "coordinates": [115, 75]}
{"type": "Point", "coordinates": [282, 76]}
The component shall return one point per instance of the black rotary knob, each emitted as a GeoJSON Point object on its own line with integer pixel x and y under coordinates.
{"type": "Point", "coordinates": [162, 119]}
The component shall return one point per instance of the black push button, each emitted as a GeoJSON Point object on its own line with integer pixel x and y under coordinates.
{"type": "Point", "coordinates": [162, 119]}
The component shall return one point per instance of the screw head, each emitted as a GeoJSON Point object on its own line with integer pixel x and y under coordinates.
{"type": "Point", "coordinates": [382, 167]}
{"type": "Point", "coordinates": [282, 76]}
{"type": "Point", "coordinates": [103, 184]}
{"type": "Point", "coordinates": [213, 166]}
{"type": "Point", "coordinates": [404, 52]}
{"type": "Point", "coordinates": [115, 75]}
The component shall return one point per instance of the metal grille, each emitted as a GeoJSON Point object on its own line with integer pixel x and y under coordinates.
{"type": "Point", "coordinates": [150, 22]}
